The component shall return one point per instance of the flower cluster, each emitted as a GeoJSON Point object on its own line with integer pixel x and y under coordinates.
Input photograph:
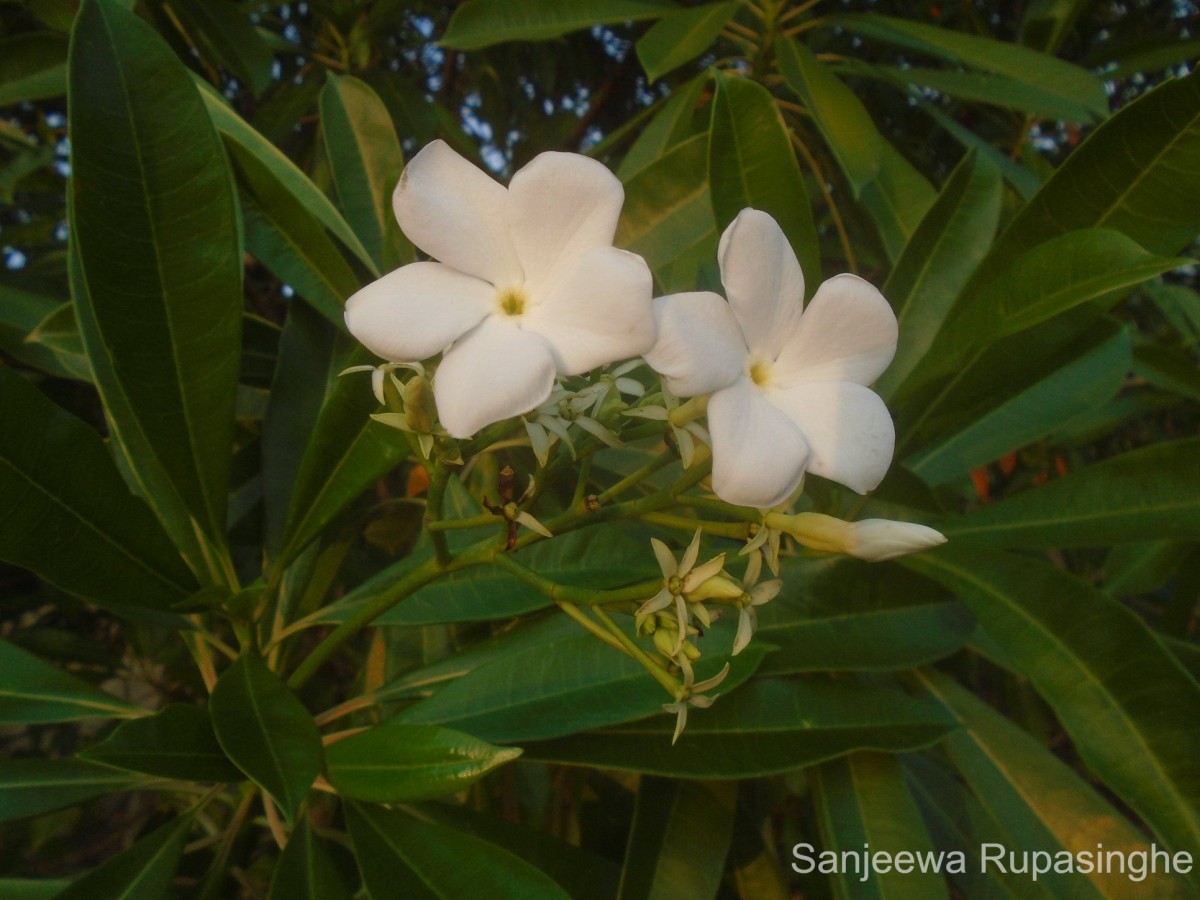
{"type": "Point", "coordinates": [524, 293]}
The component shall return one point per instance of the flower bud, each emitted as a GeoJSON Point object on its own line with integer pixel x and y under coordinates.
{"type": "Point", "coordinates": [719, 587]}
{"type": "Point", "coordinates": [880, 539]}
{"type": "Point", "coordinates": [690, 650]}
{"type": "Point", "coordinates": [664, 641]}
{"type": "Point", "coordinates": [419, 410]}
{"type": "Point", "coordinates": [871, 539]}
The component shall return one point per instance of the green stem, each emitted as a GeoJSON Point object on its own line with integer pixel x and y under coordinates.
{"type": "Point", "coordinates": [674, 688]}
{"type": "Point", "coordinates": [735, 530]}
{"type": "Point", "coordinates": [745, 513]}
{"type": "Point", "coordinates": [577, 595]}
{"type": "Point", "coordinates": [433, 511]}
{"type": "Point", "coordinates": [478, 521]}
{"type": "Point", "coordinates": [582, 618]}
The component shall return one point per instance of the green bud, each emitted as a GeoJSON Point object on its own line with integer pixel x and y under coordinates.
{"type": "Point", "coordinates": [419, 409]}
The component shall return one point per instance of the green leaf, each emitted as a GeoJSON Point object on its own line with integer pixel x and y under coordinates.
{"type": "Point", "coordinates": [751, 164]}
{"type": "Point", "coordinates": [93, 537]}
{"type": "Point", "coordinates": [1168, 368]}
{"type": "Point", "coordinates": [289, 239]}
{"type": "Point", "coordinates": [34, 691]}
{"type": "Point", "coordinates": [347, 452]}
{"type": "Point", "coordinates": [667, 205]}
{"type": "Point", "coordinates": [31, 888]}
{"type": "Point", "coordinates": [1138, 173]}
{"type": "Point", "coordinates": [177, 742]}
{"type": "Point", "coordinates": [984, 87]}
{"type": "Point", "coordinates": [1026, 183]}
{"type": "Point", "coordinates": [266, 731]}
{"type": "Point", "coordinates": [680, 37]}
{"type": "Point", "coordinates": [1149, 493]}
{"type": "Point", "coordinates": [1088, 377]}
{"type": "Point", "coordinates": [671, 125]}
{"type": "Point", "coordinates": [563, 687]}
{"type": "Point", "coordinates": [288, 177]}
{"type": "Point", "coordinates": [305, 870]}
{"type": "Point", "coordinates": [862, 799]}
{"type": "Point", "coordinates": [21, 311]}
{"type": "Point", "coordinates": [1050, 279]}
{"type": "Point", "coordinates": [770, 725]}
{"type": "Point", "coordinates": [160, 297]}
{"type": "Point", "coordinates": [398, 762]}
{"type": "Point", "coordinates": [482, 23]}
{"type": "Point", "coordinates": [595, 558]}
{"type": "Point", "coordinates": [399, 855]}
{"type": "Point", "coordinates": [1134, 726]}
{"type": "Point", "coordinates": [59, 332]}
{"type": "Point", "coordinates": [33, 66]}
{"type": "Point", "coordinates": [843, 121]}
{"type": "Point", "coordinates": [229, 38]}
{"type": "Point", "coordinates": [30, 787]}
{"type": "Point", "coordinates": [1043, 804]}
{"type": "Point", "coordinates": [1074, 85]}
{"type": "Point", "coordinates": [678, 840]}
{"type": "Point", "coordinates": [366, 160]}
{"type": "Point", "coordinates": [938, 261]}
{"type": "Point", "coordinates": [583, 874]}
{"type": "Point", "coordinates": [897, 200]}
{"type": "Point", "coordinates": [1140, 567]}
{"type": "Point", "coordinates": [143, 872]}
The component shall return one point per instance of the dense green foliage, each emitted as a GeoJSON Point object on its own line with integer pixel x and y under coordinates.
{"type": "Point", "coordinates": [235, 663]}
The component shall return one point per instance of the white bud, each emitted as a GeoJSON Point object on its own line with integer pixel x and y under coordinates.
{"type": "Point", "coordinates": [879, 539]}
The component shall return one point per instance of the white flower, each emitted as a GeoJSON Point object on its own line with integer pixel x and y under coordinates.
{"type": "Point", "coordinates": [528, 285]}
{"type": "Point", "coordinates": [788, 390]}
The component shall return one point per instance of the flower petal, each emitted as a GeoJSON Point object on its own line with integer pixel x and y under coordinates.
{"type": "Point", "coordinates": [758, 452]}
{"type": "Point", "coordinates": [848, 333]}
{"type": "Point", "coordinates": [598, 313]}
{"type": "Point", "coordinates": [417, 310]}
{"type": "Point", "coordinates": [495, 372]}
{"type": "Point", "coordinates": [699, 348]}
{"type": "Point", "coordinates": [561, 205]}
{"type": "Point", "coordinates": [457, 214]}
{"type": "Point", "coordinates": [666, 559]}
{"type": "Point", "coordinates": [848, 428]}
{"type": "Point", "coordinates": [762, 280]}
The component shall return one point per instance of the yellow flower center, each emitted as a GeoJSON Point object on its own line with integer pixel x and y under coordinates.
{"type": "Point", "coordinates": [761, 372]}
{"type": "Point", "coordinates": [511, 302]}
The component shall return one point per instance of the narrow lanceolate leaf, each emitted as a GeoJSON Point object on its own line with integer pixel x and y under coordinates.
{"type": "Point", "coordinates": [33, 66]}
{"type": "Point", "coordinates": [32, 691]}
{"type": "Point", "coordinates": [1050, 279]}
{"type": "Point", "coordinates": [1134, 726]}
{"type": "Point", "coordinates": [770, 725]}
{"type": "Point", "coordinates": [1042, 802]}
{"type": "Point", "coordinates": [177, 742]}
{"type": "Point", "coordinates": [938, 261]}
{"type": "Point", "coordinates": [679, 839]}
{"type": "Point", "coordinates": [842, 119]}
{"type": "Point", "coordinates": [1145, 494]}
{"type": "Point", "coordinates": [305, 870]}
{"type": "Point", "coordinates": [229, 38]}
{"type": "Point", "coordinates": [1088, 375]}
{"type": "Point", "coordinates": [667, 207]}
{"type": "Point", "coordinates": [160, 296]}
{"type": "Point", "coordinates": [398, 762]}
{"type": "Point", "coordinates": [862, 799]}
{"type": "Point", "coordinates": [482, 23]}
{"type": "Point", "coordinates": [1138, 173]}
{"type": "Point", "coordinates": [400, 856]}
{"type": "Point", "coordinates": [680, 37]}
{"type": "Point", "coordinates": [30, 787]}
{"type": "Point", "coordinates": [751, 163]}
{"type": "Point", "coordinates": [897, 200]}
{"type": "Point", "coordinates": [671, 125]}
{"type": "Point", "coordinates": [93, 537]}
{"type": "Point", "coordinates": [266, 731]}
{"type": "Point", "coordinates": [235, 130]}
{"type": "Point", "coordinates": [366, 160]}
{"type": "Point", "coordinates": [347, 451]}
{"type": "Point", "coordinates": [143, 872]}
{"type": "Point", "coordinates": [1073, 84]}
{"type": "Point", "coordinates": [586, 684]}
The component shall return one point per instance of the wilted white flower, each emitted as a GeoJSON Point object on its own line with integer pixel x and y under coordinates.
{"type": "Point", "coordinates": [694, 695]}
{"type": "Point", "coordinates": [527, 284]}
{"type": "Point", "coordinates": [788, 390]}
{"type": "Point", "coordinates": [754, 594]}
{"type": "Point", "coordinates": [687, 585]}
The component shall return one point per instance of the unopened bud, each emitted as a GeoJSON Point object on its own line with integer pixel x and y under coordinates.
{"type": "Point", "coordinates": [664, 641]}
{"type": "Point", "coordinates": [880, 539]}
{"type": "Point", "coordinates": [690, 650]}
{"type": "Point", "coordinates": [419, 409]}
{"type": "Point", "coordinates": [718, 587]}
